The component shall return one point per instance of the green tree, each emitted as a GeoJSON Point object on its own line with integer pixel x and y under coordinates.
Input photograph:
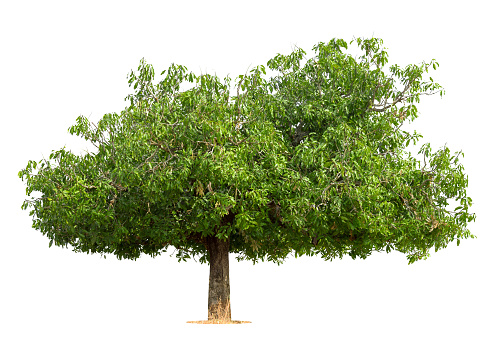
{"type": "Point", "coordinates": [312, 160]}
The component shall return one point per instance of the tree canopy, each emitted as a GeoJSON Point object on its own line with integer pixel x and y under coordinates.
{"type": "Point", "coordinates": [311, 160]}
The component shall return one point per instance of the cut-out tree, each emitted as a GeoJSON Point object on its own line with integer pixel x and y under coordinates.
{"type": "Point", "coordinates": [311, 160]}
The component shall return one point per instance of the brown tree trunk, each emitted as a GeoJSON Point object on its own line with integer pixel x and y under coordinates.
{"type": "Point", "coordinates": [219, 279]}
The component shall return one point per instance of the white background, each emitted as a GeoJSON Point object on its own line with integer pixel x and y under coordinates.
{"type": "Point", "coordinates": [63, 59]}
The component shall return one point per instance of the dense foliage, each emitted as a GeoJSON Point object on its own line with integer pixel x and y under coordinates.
{"type": "Point", "coordinates": [311, 160]}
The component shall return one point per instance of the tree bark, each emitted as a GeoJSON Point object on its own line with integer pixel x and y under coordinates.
{"type": "Point", "coordinates": [219, 279]}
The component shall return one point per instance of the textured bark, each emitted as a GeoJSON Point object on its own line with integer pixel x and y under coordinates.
{"type": "Point", "coordinates": [219, 279]}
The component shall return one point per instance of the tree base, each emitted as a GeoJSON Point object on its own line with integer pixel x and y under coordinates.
{"type": "Point", "coordinates": [220, 315]}
{"type": "Point", "coordinates": [219, 321]}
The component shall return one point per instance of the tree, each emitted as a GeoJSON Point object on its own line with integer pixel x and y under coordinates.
{"type": "Point", "coordinates": [312, 160]}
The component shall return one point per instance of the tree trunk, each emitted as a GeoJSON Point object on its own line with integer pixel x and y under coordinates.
{"type": "Point", "coordinates": [219, 279]}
